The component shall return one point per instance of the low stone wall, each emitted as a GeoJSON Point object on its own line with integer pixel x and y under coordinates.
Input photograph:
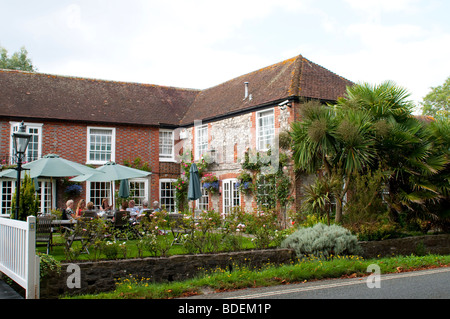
{"type": "Point", "coordinates": [430, 244]}
{"type": "Point", "coordinates": [101, 276]}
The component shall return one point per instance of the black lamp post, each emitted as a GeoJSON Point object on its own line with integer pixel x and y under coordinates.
{"type": "Point", "coordinates": [20, 142]}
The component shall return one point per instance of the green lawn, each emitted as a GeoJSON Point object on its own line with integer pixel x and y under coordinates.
{"type": "Point", "coordinates": [132, 251]}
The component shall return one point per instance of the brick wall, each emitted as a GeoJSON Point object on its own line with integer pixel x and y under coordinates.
{"type": "Point", "coordinates": [69, 140]}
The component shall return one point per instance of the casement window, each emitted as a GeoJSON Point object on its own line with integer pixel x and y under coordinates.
{"type": "Point", "coordinates": [231, 197]}
{"type": "Point", "coordinates": [101, 145]}
{"type": "Point", "coordinates": [97, 191]}
{"type": "Point", "coordinates": [203, 202]}
{"type": "Point", "coordinates": [7, 190]}
{"type": "Point", "coordinates": [166, 145]}
{"type": "Point", "coordinates": [34, 149]}
{"type": "Point", "coordinates": [167, 197]}
{"type": "Point", "coordinates": [45, 195]}
{"type": "Point", "coordinates": [264, 195]}
{"type": "Point", "coordinates": [201, 141]}
{"type": "Point", "coordinates": [265, 130]}
{"type": "Point", "coordinates": [138, 190]}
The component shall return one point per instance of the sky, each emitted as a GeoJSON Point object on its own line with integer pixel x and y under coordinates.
{"type": "Point", "coordinates": [199, 44]}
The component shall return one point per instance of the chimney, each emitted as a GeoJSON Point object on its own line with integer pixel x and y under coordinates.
{"type": "Point", "coordinates": [246, 90]}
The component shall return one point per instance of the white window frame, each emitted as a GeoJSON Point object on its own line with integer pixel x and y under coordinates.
{"type": "Point", "coordinates": [36, 126]}
{"type": "Point", "coordinates": [203, 202]}
{"type": "Point", "coordinates": [113, 145]}
{"type": "Point", "coordinates": [166, 157]}
{"type": "Point", "coordinates": [201, 141]}
{"type": "Point", "coordinates": [162, 205]}
{"type": "Point", "coordinates": [230, 195]}
{"type": "Point", "coordinates": [108, 192]}
{"type": "Point", "coordinates": [139, 199]}
{"type": "Point", "coordinates": [259, 130]}
{"type": "Point", "coordinates": [52, 193]}
{"type": "Point", "coordinates": [4, 211]}
{"type": "Point", "coordinates": [43, 207]}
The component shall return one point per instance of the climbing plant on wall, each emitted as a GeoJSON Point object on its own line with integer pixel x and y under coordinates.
{"type": "Point", "coordinates": [269, 186]}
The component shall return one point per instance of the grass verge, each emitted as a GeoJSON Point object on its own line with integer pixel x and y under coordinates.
{"type": "Point", "coordinates": [269, 275]}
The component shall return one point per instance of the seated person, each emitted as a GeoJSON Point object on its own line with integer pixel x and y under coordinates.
{"type": "Point", "coordinates": [134, 211]}
{"type": "Point", "coordinates": [90, 211]}
{"type": "Point", "coordinates": [156, 206]}
{"type": "Point", "coordinates": [105, 205]}
{"type": "Point", "coordinates": [68, 213]}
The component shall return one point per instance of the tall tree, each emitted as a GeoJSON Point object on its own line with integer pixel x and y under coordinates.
{"type": "Point", "coordinates": [437, 102]}
{"type": "Point", "coordinates": [18, 61]}
{"type": "Point", "coordinates": [373, 128]}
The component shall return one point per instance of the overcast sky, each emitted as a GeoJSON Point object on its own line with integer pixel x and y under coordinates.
{"type": "Point", "coordinates": [199, 44]}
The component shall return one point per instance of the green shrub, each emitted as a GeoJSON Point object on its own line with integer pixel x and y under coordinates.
{"type": "Point", "coordinates": [48, 265]}
{"type": "Point", "coordinates": [322, 241]}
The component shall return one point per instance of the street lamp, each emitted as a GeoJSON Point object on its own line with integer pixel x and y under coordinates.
{"type": "Point", "coordinates": [20, 142]}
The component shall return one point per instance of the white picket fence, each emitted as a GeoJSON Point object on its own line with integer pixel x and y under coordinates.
{"type": "Point", "coordinates": [18, 259]}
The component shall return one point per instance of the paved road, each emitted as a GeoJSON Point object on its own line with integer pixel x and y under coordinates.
{"type": "Point", "coordinates": [427, 284]}
{"type": "Point", "coordinates": [6, 292]}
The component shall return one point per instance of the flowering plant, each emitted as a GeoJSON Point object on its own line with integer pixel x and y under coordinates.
{"type": "Point", "coordinates": [210, 183]}
{"type": "Point", "coordinates": [73, 190]}
{"type": "Point", "coordinates": [245, 183]}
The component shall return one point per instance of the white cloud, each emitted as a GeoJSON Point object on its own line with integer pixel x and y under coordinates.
{"type": "Point", "coordinates": [378, 6]}
{"type": "Point", "coordinates": [411, 64]}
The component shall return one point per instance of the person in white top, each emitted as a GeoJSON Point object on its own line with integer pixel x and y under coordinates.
{"type": "Point", "coordinates": [134, 211]}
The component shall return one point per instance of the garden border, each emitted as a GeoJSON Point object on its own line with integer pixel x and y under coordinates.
{"type": "Point", "coordinates": [101, 276]}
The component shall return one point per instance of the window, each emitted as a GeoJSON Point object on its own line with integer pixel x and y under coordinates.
{"type": "Point", "coordinates": [265, 130]}
{"type": "Point", "coordinates": [166, 145]}
{"type": "Point", "coordinates": [34, 149]}
{"type": "Point", "coordinates": [201, 141]}
{"type": "Point", "coordinates": [265, 187]}
{"type": "Point", "coordinates": [138, 190]}
{"type": "Point", "coordinates": [97, 191]}
{"type": "Point", "coordinates": [230, 193]}
{"type": "Point", "coordinates": [167, 194]}
{"type": "Point", "coordinates": [45, 196]}
{"type": "Point", "coordinates": [203, 202]}
{"type": "Point", "coordinates": [6, 192]}
{"type": "Point", "coordinates": [101, 145]}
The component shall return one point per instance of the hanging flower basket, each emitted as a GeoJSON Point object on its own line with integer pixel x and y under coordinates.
{"type": "Point", "coordinates": [210, 183]}
{"type": "Point", "coordinates": [73, 190]}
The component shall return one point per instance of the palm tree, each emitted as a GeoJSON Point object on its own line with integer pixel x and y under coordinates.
{"type": "Point", "coordinates": [334, 140]}
{"type": "Point", "coordinates": [412, 152]}
{"type": "Point", "coordinates": [372, 128]}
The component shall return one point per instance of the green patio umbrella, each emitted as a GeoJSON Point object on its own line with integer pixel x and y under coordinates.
{"type": "Point", "coordinates": [110, 172]}
{"type": "Point", "coordinates": [124, 189]}
{"type": "Point", "coordinates": [194, 190]}
{"type": "Point", "coordinates": [51, 166]}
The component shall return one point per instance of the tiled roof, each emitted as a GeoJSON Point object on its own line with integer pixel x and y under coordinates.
{"type": "Point", "coordinates": [296, 77]}
{"type": "Point", "coordinates": [43, 96]}
{"type": "Point", "coordinates": [36, 95]}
